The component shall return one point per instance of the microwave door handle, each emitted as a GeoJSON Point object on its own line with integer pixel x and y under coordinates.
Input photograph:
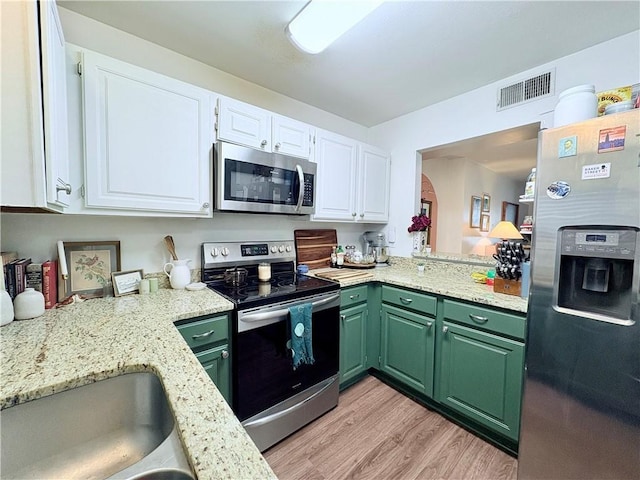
{"type": "Point", "coordinates": [301, 191]}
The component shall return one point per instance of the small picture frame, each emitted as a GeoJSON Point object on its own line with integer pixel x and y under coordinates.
{"type": "Point", "coordinates": [125, 283]}
{"type": "Point", "coordinates": [474, 215]}
{"type": "Point", "coordinates": [485, 220]}
{"type": "Point", "coordinates": [90, 265]}
{"type": "Point", "coordinates": [510, 212]}
{"type": "Point", "coordinates": [486, 202]}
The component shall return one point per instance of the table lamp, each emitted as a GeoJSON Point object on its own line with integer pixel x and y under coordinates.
{"type": "Point", "coordinates": [505, 231]}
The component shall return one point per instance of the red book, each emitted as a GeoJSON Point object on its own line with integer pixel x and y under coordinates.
{"type": "Point", "coordinates": [50, 283]}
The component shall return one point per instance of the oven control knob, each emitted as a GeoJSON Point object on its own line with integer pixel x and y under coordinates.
{"type": "Point", "coordinates": [288, 248]}
{"type": "Point", "coordinates": [274, 249]}
{"type": "Point", "coordinates": [281, 248]}
{"type": "Point", "coordinates": [215, 252]}
{"type": "Point", "coordinates": [224, 251]}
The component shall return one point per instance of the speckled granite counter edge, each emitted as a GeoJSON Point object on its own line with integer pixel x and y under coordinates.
{"type": "Point", "coordinates": [102, 338]}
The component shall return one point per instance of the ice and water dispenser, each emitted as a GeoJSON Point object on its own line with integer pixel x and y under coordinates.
{"type": "Point", "coordinates": [598, 274]}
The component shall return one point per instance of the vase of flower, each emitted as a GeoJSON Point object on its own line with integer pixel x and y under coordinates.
{"type": "Point", "coordinates": [418, 229]}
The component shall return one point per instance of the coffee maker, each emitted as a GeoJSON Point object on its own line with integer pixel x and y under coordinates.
{"type": "Point", "coordinates": [375, 243]}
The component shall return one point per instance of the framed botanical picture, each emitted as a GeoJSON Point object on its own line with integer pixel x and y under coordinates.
{"type": "Point", "coordinates": [90, 265]}
{"type": "Point", "coordinates": [486, 202]}
{"type": "Point", "coordinates": [510, 212]}
{"type": "Point", "coordinates": [485, 220]}
{"type": "Point", "coordinates": [474, 215]}
{"type": "Point", "coordinates": [128, 282]}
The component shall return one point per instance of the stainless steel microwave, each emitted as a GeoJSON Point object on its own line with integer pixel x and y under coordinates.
{"type": "Point", "coordinates": [248, 180]}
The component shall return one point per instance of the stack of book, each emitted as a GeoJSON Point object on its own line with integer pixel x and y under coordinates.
{"type": "Point", "coordinates": [20, 273]}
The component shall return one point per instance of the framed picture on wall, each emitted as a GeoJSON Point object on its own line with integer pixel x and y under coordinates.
{"type": "Point", "coordinates": [510, 212]}
{"type": "Point", "coordinates": [486, 202]}
{"type": "Point", "coordinates": [485, 220]}
{"type": "Point", "coordinates": [474, 215]}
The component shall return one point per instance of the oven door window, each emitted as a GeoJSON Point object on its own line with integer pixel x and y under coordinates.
{"type": "Point", "coordinates": [264, 372]}
{"type": "Point", "coordinates": [250, 182]}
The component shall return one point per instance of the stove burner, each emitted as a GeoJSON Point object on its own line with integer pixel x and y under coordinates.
{"type": "Point", "coordinates": [286, 280]}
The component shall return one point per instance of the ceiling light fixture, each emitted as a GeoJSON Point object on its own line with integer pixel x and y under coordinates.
{"type": "Point", "coordinates": [321, 22]}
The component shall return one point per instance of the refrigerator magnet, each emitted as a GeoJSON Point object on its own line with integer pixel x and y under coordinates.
{"type": "Point", "coordinates": [558, 190]}
{"type": "Point", "coordinates": [611, 139]}
{"type": "Point", "coordinates": [597, 170]}
{"type": "Point", "coordinates": [568, 147]}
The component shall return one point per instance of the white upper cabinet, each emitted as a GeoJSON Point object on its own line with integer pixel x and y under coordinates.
{"type": "Point", "coordinates": [337, 159]}
{"type": "Point", "coordinates": [148, 140]}
{"type": "Point", "coordinates": [374, 177]}
{"type": "Point", "coordinates": [353, 180]}
{"type": "Point", "coordinates": [248, 125]}
{"type": "Point", "coordinates": [35, 164]}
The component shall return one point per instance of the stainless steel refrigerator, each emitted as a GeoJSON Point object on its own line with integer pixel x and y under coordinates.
{"type": "Point", "coordinates": [581, 403]}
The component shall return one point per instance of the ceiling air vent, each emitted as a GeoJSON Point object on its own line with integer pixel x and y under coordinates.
{"type": "Point", "coordinates": [526, 90]}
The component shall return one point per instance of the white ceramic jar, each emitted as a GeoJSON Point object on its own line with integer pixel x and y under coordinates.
{"type": "Point", "coordinates": [575, 105]}
{"type": "Point", "coordinates": [6, 308]}
{"type": "Point", "coordinates": [28, 304]}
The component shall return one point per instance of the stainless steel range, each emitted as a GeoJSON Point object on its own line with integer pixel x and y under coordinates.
{"type": "Point", "coordinates": [271, 399]}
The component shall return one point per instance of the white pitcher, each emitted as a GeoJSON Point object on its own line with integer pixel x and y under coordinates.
{"type": "Point", "coordinates": [178, 273]}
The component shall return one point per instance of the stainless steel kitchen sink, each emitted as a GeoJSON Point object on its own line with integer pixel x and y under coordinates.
{"type": "Point", "coordinates": [119, 428]}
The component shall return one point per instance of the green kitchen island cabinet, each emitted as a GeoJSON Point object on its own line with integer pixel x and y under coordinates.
{"type": "Point", "coordinates": [480, 367]}
{"type": "Point", "coordinates": [353, 334]}
{"type": "Point", "coordinates": [208, 338]}
{"type": "Point", "coordinates": [407, 346]}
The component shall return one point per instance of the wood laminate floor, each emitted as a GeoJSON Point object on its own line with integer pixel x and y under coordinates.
{"type": "Point", "coordinates": [378, 433]}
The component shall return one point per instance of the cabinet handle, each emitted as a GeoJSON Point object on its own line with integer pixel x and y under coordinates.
{"type": "Point", "coordinates": [353, 214]}
{"type": "Point", "coordinates": [445, 329]}
{"type": "Point", "coordinates": [263, 143]}
{"type": "Point", "coordinates": [478, 318]}
{"type": "Point", "coordinates": [66, 188]}
{"type": "Point", "coordinates": [278, 145]}
{"type": "Point", "coordinates": [225, 354]}
{"type": "Point", "coordinates": [353, 297]}
{"type": "Point", "coordinates": [362, 215]}
{"type": "Point", "coordinates": [406, 301]}
{"type": "Point", "coordinates": [429, 325]}
{"type": "Point", "coordinates": [202, 335]}
{"type": "Point", "coordinates": [343, 317]}
{"type": "Point", "coordinates": [205, 205]}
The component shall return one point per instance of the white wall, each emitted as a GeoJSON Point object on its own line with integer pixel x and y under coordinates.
{"type": "Point", "coordinates": [607, 65]}
{"type": "Point", "coordinates": [141, 239]}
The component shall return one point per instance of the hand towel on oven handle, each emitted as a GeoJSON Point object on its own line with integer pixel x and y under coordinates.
{"type": "Point", "coordinates": [300, 334]}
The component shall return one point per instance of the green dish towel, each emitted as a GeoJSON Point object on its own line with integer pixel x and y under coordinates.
{"type": "Point", "coordinates": [300, 334]}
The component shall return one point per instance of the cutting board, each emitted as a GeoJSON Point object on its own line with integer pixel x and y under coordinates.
{"type": "Point", "coordinates": [342, 274]}
{"type": "Point", "coordinates": [313, 247]}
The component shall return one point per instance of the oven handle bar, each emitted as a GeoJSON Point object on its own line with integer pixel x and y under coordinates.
{"type": "Point", "coordinates": [274, 416]}
{"type": "Point", "coordinates": [261, 316]}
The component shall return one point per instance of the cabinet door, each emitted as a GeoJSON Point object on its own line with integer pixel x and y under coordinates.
{"type": "Point", "coordinates": [407, 348]}
{"type": "Point", "coordinates": [216, 364]}
{"type": "Point", "coordinates": [244, 124]}
{"type": "Point", "coordinates": [481, 377]}
{"type": "Point", "coordinates": [336, 185]}
{"type": "Point", "coordinates": [374, 167]}
{"type": "Point", "coordinates": [54, 92]}
{"type": "Point", "coordinates": [148, 139]}
{"type": "Point", "coordinates": [353, 341]}
{"type": "Point", "coordinates": [290, 137]}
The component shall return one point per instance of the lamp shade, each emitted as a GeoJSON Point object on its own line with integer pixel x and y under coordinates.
{"type": "Point", "coordinates": [505, 230]}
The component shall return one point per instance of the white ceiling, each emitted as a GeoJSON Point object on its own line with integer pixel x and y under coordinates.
{"type": "Point", "coordinates": [406, 55]}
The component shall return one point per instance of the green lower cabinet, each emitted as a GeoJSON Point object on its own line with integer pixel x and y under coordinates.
{"type": "Point", "coordinates": [353, 342]}
{"type": "Point", "coordinates": [481, 377]}
{"type": "Point", "coordinates": [216, 364]}
{"type": "Point", "coordinates": [407, 348]}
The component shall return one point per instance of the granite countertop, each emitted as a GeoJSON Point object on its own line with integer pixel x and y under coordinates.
{"type": "Point", "coordinates": [100, 338]}
{"type": "Point", "coordinates": [451, 279]}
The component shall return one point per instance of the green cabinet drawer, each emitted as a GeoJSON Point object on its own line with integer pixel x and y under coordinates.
{"type": "Point", "coordinates": [481, 377]}
{"type": "Point", "coordinates": [205, 332]}
{"type": "Point", "coordinates": [485, 318]}
{"type": "Point", "coordinates": [216, 363]}
{"type": "Point", "coordinates": [409, 299]}
{"type": "Point", "coordinates": [353, 296]}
